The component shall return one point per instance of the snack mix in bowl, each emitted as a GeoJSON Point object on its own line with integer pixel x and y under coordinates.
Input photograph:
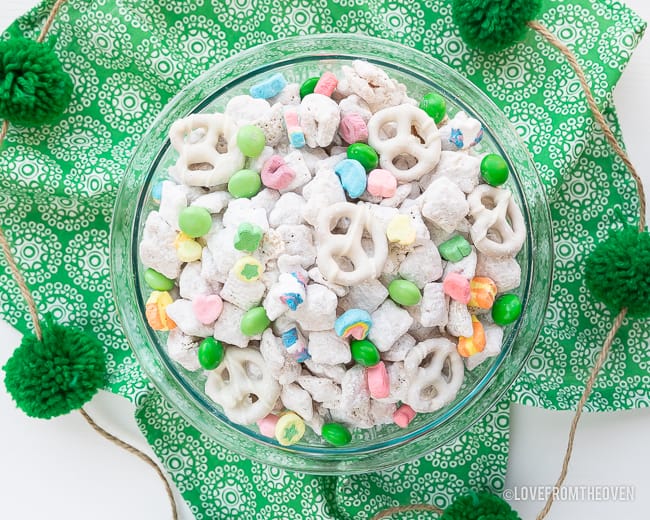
{"type": "Point", "coordinates": [326, 254]}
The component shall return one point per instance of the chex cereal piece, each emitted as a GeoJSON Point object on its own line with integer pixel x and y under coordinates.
{"type": "Point", "coordinates": [321, 192]}
{"type": "Point", "coordinates": [367, 296]}
{"type": "Point", "coordinates": [287, 210]}
{"type": "Point", "coordinates": [173, 200]}
{"type": "Point", "coordinates": [444, 204]}
{"type": "Point", "coordinates": [320, 388]}
{"type": "Point", "coordinates": [227, 327]}
{"type": "Point", "coordinates": [157, 246]}
{"type": "Point", "coordinates": [192, 284]}
{"type": "Point", "coordinates": [422, 265]}
{"type": "Point", "coordinates": [460, 320]}
{"type": "Point", "coordinates": [214, 202]}
{"type": "Point", "coordinates": [327, 347]}
{"type": "Point", "coordinates": [333, 372]}
{"type": "Point", "coordinates": [319, 310]}
{"type": "Point", "coordinates": [389, 322]}
{"type": "Point", "coordinates": [399, 349]}
{"type": "Point", "coordinates": [243, 294]}
{"type": "Point", "coordinates": [297, 399]}
{"type": "Point", "coordinates": [298, 241]}
{"type": "Point", "coordinates": [281, 365]}
{"type": "Point", "coordinates": [505, 272]}
{"type": "Point", "coordinates": [183, 349]}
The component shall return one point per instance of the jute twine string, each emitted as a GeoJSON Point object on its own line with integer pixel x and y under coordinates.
{"type": "Point", "coordinates": [33, 312]}
{"type": "Point", "coordinates": [618, 321]}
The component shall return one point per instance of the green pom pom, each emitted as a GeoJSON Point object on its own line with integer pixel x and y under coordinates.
{"type": "Point", "coordinates": [480, 506]}
{"type": "Point", "coordinates": [617, 272]}
{"type": "Point", "coordinates": [57, 374]}
{"type": "Point", "coordinates": [34, 89]}
{"type": "Point", "coordinates": [492, 25]}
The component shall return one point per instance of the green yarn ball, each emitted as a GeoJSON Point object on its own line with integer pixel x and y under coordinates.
{"type": "Point", "coordinates": [480, 506]}
{"type": "Point", "coordinates": [618, 272]}
{"type": "Point", "coordinates": [492, 25]}
{"type": "Point", "coordinates": [34, 89]}
{"type": "Point", "coordinates": [57, 374]}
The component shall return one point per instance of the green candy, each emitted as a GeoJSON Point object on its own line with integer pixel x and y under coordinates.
{"type": "Point", "coordinates": [404, 292]}
{"type": "Point", "coordinates": [308, 87]}
{"type": "Point", "coordinates": [248, 237]}
{"type": "Point", "coordinates": [364, 352]}
{"type": "Point", "coordinates": [336, 434]}
{"type": "Point", "coordinates": [244, 184]}
{"type": "Point", "coordinates": [455, 249]}
{"type": "Point", "coordinates": [494, 169]}
{"type": "Point", "coordinates": [365, 154]}
{"type": "Point", "coordinates": [251, 140]}
{"type": "Point", "coordinates": [195, 221]}
{"type": "Point", "coordinates": [254, 322]}
{"type": "Point", "coordinates": [211, 353]}
{"type": "Point", "coordinates": [157, 281]}
{"type": "Point", "coordinates": [506, 309]}
{"type": "Point", "coordinates": [434, 105]}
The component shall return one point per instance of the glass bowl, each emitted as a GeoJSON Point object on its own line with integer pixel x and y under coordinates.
{"type": "Point", "coordinates": [300, 58]}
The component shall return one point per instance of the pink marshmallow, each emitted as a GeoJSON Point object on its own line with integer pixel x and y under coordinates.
{"type": "Point", "coordinates": [326, 84]}
{"type": "Point", "coordinates": [456, 286]}
{"type": "Point", "coordinates": [381, 183]}
{"type": "Point", "coordinates": [207, 308]}
{"type": "Point", "coordinates": [291, 117]}
{"type": "Point", "coordinates": [378, 382]}
{"type": "Point", "coordinates": [276, 174]}
{"type": "Point", "coordinates": [403, 416]}
{"type": "Point", "coordinates": [267, 425]}
{"type": "Point", "coordinates": [353, 128]}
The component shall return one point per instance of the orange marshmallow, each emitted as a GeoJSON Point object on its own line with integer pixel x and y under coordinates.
{"type": "Point", "coordinates": [483, 291]}
{"type": "Point", "coordinates": [156, 313]}
{"type": "Point", "coordinates": [469, 346]}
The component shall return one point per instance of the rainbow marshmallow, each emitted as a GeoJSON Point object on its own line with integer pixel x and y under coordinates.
{"type": "Point", "coordinates": [354, 322]}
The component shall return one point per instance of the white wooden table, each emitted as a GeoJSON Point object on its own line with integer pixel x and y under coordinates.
{"type": "Point", "coordinates": [61, 469]}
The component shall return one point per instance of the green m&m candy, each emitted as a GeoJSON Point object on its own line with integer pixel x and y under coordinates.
{"type": "Point", "coordinates": [434, 105]}
{"type": "Point", "coordinates": [336, 434]}
{"type": "Point", "coordinates": [254, 322]}
{"type": "Point", "coordinates": [404, 292]}
{"type": "Point", "coordinates": [365, 154]}
{"type": "Point", "coordinates": [308, 87]}
{"type": "Point", "coordinates": [211, 353]}
{"type": "Point", "coordinates": [244, 184]}
{"type": "Point", "coordinates": [494, 169]}
{"type": "Point", "coordinates": [195, 221]}
{"type": "Point", "coordinates": [157, 281]}
{"type": "Point", "coordinates": [364, 352]}
{"type": "Point", "coordinates": [251, 140]}
{"type": "Point", "coordinates": [506, 309]}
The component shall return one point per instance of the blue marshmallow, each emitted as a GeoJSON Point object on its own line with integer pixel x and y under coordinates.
{"type": "Point", "coordinates": [353, 177]}
{"type": "Point", "coordinates": [297, 139]}
{"type": "Point", "coordinates": [269, 87]}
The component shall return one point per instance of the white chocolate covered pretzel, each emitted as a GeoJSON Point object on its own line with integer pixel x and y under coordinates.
{"type": "Point", "coordinates": [435, 372]}
{"type": "Point", "coordinates": [208, 150]}
{"type": "Point", "coordinates": [348, 245]}
{"type": "Point", "coordinates": [412, 134]}
{"type": "Point", "coordinates": [243, 386]}
{"type": "Point", "coordinates": [495, 213]}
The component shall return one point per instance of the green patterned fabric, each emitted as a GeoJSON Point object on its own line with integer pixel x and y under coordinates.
{"type": "Point", "coordinates": [127, 58]}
